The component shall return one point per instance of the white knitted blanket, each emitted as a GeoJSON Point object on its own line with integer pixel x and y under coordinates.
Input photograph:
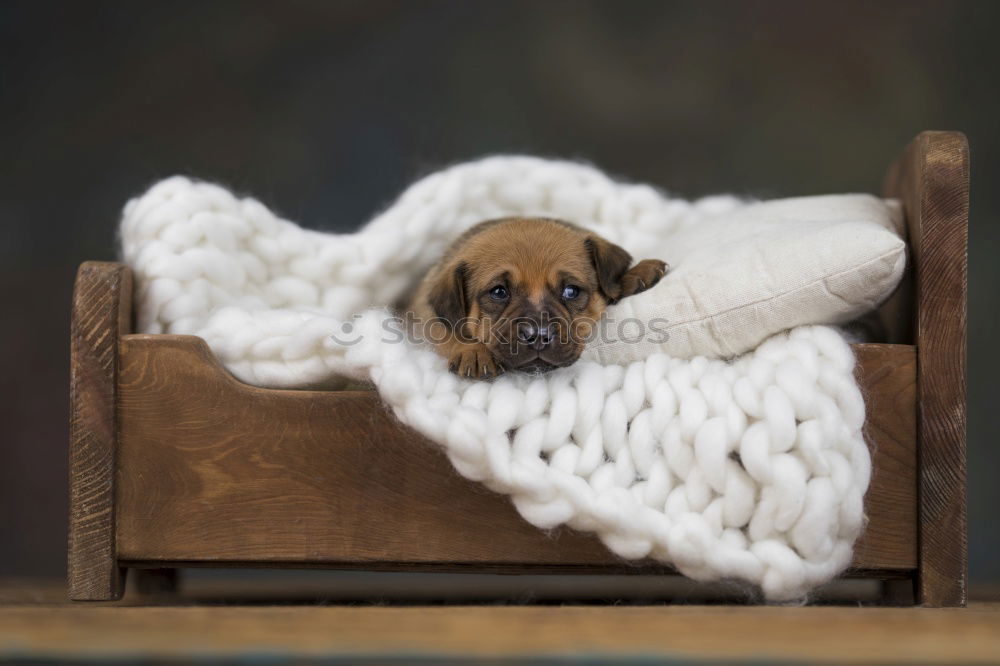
{"type": "Point", "coordinates": [753, 469]}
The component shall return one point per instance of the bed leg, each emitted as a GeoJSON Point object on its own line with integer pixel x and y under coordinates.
{"type": "Point", "coordinates": [101, 314]}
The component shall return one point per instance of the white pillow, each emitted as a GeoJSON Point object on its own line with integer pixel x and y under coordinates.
{"type": "Point", "coordinates": [741, 276]}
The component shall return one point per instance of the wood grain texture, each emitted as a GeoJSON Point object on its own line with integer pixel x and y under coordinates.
{"type": "Point", "coordinates": [101, 314]}
{"type": "Point", "coordinates": [500, 634]}
{"type": "Point", "coordinates": [213, 471]}
{"type": "Point", "coordinates": [887, 377]}
{"type": "Point", "coordinates": [931, 178]}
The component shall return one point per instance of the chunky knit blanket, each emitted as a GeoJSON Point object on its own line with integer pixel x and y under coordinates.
{"type": "Point", "coordinates": [752, 470]}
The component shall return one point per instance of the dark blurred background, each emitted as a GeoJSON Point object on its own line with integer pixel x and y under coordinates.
{"type": "Point", "coordinates": [326, 110]}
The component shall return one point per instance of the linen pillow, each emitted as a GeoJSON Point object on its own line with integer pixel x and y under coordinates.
{"type": "Point", "coordinates": [743, 275]}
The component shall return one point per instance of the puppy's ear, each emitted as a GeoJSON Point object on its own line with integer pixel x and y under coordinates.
{"type": "Point", "coordinates": [614, 276]}
{"type": "Point", "coordinates": [447, 296]}
{"type": "Point", "coordinates": [611, 263]}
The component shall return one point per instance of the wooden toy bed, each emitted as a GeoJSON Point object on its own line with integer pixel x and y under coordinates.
{"type": "Point", "coordinates": [174, 463]}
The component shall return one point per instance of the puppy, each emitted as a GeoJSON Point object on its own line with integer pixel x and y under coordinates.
{"type": "Point", "coordinates": [522, 294]}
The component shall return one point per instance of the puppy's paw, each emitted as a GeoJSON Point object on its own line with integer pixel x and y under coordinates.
{"type": "Point", "coordinates": [644, 275]}
{"type": "Point", "coordinates": [474, 361]}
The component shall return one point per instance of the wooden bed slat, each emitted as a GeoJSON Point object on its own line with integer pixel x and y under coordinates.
{"type": "Point", "coordinates": [213, 471]}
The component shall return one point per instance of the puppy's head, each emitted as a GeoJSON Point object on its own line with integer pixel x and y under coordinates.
{"type": "Point", "coordinates": [533, 289]}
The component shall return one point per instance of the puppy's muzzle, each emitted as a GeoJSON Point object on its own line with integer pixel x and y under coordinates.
{"type": "Point", "coordinates": [539, 342]}
{"type": "Point", "coordinates": [536, 335]}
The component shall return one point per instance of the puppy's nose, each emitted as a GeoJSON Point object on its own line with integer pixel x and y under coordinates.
{"type": "Point", "coordinates": [535, 335]}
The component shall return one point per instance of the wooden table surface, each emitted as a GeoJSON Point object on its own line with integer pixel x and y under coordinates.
{"type": "Point", "coordinates": [36, 625]}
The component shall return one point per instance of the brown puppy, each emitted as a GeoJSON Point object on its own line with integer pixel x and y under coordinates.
{"type": "Point", "coordinates": [523, 294]}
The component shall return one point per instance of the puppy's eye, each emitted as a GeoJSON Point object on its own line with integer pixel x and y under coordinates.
{"type": "Point", "coordinates": [499, 293]}
{"type": "Point", "coordinates": [570, 292]}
